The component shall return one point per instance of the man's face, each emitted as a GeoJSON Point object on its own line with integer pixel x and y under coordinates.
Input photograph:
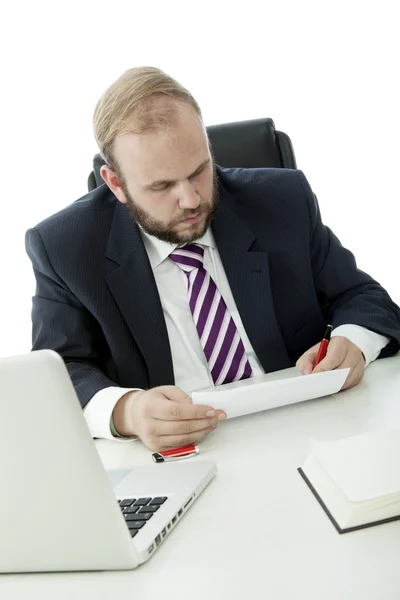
{"type": "Point", "coordinates": [167, 179]}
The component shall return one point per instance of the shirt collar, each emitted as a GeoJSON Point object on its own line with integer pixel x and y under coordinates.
{"type": "Point", "coordinates": [158, 250]}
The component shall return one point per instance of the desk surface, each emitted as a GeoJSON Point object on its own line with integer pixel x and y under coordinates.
{"type": "Point", "coordinates": [257, 531]}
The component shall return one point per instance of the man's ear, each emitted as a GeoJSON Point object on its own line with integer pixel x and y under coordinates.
{"type": "Point", "coordinates": [113, 182]}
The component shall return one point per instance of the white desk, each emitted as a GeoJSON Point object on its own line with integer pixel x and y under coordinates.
{"type": "Point", "coordinates": [257, 531]}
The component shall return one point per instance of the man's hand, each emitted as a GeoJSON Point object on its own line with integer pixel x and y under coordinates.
{"type": "Point", "coordinates": [164, 417]}
{"type": "Point", "coordinates": [341, 354]}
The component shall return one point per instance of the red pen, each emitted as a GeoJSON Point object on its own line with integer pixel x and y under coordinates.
{"type": "Point", "coordinates": [323, 347]}
{"type": "Point", "coordinates": [175, 453]}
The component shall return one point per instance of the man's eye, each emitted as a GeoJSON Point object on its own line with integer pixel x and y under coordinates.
{"type": "Point", "coordinates": [161, 187]}
{"type": "Point", "coordinates": [197, 173]}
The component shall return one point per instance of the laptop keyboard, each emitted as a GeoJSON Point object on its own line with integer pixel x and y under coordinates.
{"type": "Point", "coordinates": [138, 512]}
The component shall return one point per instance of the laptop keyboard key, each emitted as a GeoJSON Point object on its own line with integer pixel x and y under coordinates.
{"type": "Point", "coordinates": [159, 500]}
{"type": "Point", "coordinates": [136, 524]}
{"type": "Point", "coordinates": [138, 517]}
{"type": "Point", "coordinates": [142, 501]}
{"type": "Point", "coordinates": [131, 510]}
{"type": "Point", "coordinates": [133, 532]}
{"type": "Point", "coordinates": [145, 515]}
{"type": "Point", "coordinates": [149, 508]}
{"type": "Point", "coordinates": [127, 502]}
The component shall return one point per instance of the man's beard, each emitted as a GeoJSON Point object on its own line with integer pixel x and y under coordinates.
{"type": "Point", "coordinates": [166, 231]}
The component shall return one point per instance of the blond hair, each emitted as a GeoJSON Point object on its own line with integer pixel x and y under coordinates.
{"type": "Point", "coordinates": [141, 99]}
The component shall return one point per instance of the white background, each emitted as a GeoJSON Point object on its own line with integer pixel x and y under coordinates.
{"type": "Point", "coordinates": [326, 72]}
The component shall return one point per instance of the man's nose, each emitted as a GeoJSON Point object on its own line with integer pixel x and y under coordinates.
{"type": "Point", "coordinates": [188, 197]}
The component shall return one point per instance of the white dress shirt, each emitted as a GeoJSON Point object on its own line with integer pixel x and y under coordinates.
{"type": "Point", "coordinates": [189, 362]}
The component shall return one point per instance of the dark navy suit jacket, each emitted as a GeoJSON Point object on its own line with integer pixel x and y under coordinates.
{"type": "Point", "coordinates": [97, 303]}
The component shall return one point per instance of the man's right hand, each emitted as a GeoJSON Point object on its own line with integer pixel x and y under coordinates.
{"type": "Point", "coordinates": [164, 417]}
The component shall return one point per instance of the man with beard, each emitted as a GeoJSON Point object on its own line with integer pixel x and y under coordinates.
{"type": "Point", "coordinates": [179, 274]}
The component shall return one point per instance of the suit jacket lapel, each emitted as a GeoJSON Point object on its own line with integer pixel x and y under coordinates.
{"type": "Point", "coordinates": [248, 275]}
{"type": "Point", "coordinates": [132, 284]}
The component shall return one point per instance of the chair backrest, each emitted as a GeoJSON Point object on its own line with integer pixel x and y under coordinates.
{"type": "Point", "coordinates": [254, 143]}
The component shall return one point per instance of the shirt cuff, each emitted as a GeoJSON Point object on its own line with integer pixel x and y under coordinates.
{"type": "Point", "coordinates": [369, 342]}
{"type": "Point", "coordinates": [98, 413]}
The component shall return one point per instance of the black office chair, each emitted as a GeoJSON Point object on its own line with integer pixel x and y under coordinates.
{"type": "Point", "coordinates": [254, 143]}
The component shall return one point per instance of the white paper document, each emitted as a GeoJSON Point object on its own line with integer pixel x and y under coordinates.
{"type": "Point", "coordinates": [270, 391]}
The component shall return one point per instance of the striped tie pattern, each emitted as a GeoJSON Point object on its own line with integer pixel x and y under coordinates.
{"type": "Point", "coordinates": [217, 331]}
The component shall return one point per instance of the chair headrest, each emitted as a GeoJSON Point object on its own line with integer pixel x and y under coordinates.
{"type": "Point", "coordinates": [245, 144]}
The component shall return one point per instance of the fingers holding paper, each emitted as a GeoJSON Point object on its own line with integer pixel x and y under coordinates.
{"type": "Point", "coordinates": [164, 417]}
{"type": "Point", "coordinates": [341, 354]}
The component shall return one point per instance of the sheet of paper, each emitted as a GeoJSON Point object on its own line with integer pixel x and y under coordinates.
{"type": "Point", "coordinates": [270, 390]}
{"type": "Point", "coordinates": [364, 466]}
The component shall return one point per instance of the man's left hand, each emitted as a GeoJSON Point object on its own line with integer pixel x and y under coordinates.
{"type": "Point", "coordinates": [341, 354]}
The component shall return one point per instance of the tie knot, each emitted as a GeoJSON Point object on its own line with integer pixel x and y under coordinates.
{"type": "Point", "coordinates": [188, 257]}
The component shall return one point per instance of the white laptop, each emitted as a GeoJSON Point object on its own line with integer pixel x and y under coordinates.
{"type": "Point", "coordinates": [58, 508]}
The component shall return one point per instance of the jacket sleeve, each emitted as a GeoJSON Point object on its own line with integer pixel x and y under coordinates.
{"type": "Point", "coordinates": [346, 294]}
{"type": "Point", "coordinates": [61, 323]}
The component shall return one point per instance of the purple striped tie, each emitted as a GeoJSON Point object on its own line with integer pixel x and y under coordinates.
{"type": "Point", "coordinates": [217, 331]}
